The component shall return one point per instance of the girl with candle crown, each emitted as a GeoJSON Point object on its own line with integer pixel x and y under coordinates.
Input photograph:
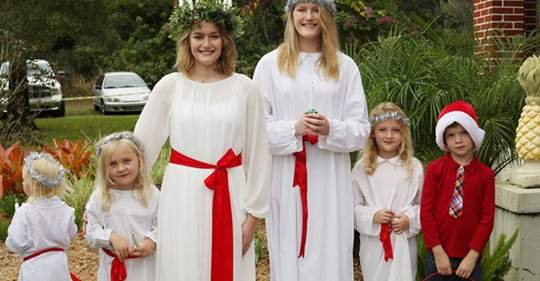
{"type": "Point", "coordinates": [218, 180]}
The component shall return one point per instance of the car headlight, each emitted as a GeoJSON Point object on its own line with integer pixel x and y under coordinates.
{"type": "Point", "coordinates": [112, 99]}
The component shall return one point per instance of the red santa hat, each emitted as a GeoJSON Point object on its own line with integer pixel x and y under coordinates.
{"type": "Point", "coordinates": [463, 113]}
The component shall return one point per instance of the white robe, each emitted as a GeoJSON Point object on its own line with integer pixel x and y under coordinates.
{"type": "Point", "coordinates": [126, 216]}
{"type": "Point", "coordinates": [329, 242]}
{"type": "Point", "coordinates": [44, 223]}
{"type": "Point", "coordinates": [202, 121]}
{"type": "Point", "coordinates": [391, 187]}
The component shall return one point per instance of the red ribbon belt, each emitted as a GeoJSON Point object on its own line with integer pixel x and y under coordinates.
{"type": "Point", "coordinates": [222, 232]}
{"type": "Point", "coordinates": [118, 267]}
{"type": "Point", "coordinates": [47, 250]}
{"type": "Point", "coordinates": [384, 237]}
{"type": "Point", "coordinates": [300, 180]}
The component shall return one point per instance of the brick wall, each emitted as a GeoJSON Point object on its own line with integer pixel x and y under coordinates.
{"type": "Point", "coordinates": [501, 18]}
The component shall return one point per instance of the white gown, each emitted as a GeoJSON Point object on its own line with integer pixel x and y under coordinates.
{"type": "Point", "coordinates": [45, 223]}
{"type": "Point", "coordinates": [126, 216]}
{"type": "Point", "coordinates": [391, 187]}
{"type": "Point", "coordinates": [202, 121]}
{"type": "Point", "coordinates": [329, 243]}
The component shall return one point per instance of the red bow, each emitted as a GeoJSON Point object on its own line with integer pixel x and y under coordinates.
{"type": "Point", "coordinates": [222, 232]}
{"type": "Point", "coordinates": [118, 267]}
{"type": "Point", "coordinates": [384, 237]}
{"type": "Point", "coordinates": [300, 180]}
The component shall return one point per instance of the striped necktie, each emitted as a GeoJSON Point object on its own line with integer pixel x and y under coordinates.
{"type": "Point", "coordinates": [456, 204]}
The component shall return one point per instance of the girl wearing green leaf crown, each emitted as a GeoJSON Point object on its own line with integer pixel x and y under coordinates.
{"type": "Point", "coordinates": [316, 114]}
{"type": "Point", "coordinates": [217, 182]}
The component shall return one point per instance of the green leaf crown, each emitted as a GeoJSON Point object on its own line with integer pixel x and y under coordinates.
{"type": "Point", "coordinates": [185, 14]}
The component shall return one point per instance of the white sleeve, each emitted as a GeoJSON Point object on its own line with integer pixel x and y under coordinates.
{"type": "Point", "coordinates": [350, 132]}
{"type": "Point", "coordinates": [97, 233]}
{"type": "Point", "coordinates": [281, 134]}
{"type": "Point", "coordinates": [72, 230]}
{"type": "Point", "coordinates": [363, 213]}
{"type": "Point", "coordinates": [17, 240]}
{"type": "Point", "coordinates": [257, 160]}
{"type": "Point", "coordinates": [413, 210]}
{"type": "Point", "coordinates": [152, 127]}
{"type": "Point", "coordinates": [152, 232]}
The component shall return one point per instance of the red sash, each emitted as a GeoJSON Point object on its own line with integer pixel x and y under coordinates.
{"type": "Point", "coordinates": [47, 250]}
{"type": "Point", "coordinates": [222, 232]}
{"type": "Point", "coordinates": [118, 268]}
{"type": "Point", "coordinates": [384, 237]}
{"type": "Point", "coordinates": [300, 180]}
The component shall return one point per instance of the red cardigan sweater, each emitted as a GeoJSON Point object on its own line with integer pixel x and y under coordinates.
{"type": "Point", "coordinates": [471, 230]}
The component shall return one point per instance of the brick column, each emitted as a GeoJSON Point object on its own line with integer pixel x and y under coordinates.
{"type": "Point", "coordinates": [530, 16]}
{"type": "Point", "coordinates": [497, 18]}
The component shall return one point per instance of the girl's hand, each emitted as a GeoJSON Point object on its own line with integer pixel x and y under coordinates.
{"type": "Point", "coordinates": [146, 248]}
{"type": "Point", "coordinates": [120, 246]}
{"type": "Point", "coordinates": [383, 216]}
{"type": "Point", "coordinates": [316, 124]}
{"type": "Point", "coordinates": [400, 223]}
{"type": "Point", "coordinates": [248, 229]}
{"type": "Point", "coordinates": [442, 262]}
{"type": "Point", "coordinates": [300, 127]}
{"type": "Point", "coordinates": [466, 266]}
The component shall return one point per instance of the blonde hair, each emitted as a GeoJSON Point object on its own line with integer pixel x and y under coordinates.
{"type": "Point", "coordinates": [226, 63]}
{"type": "Point", "coordinates": [47, 169]}
{"type": "Point", "coordinates": [406, 151]}
{"type": "Point", "coordinates": [143, 181]}
{"type": "Point", "coordinates": [290, 48]}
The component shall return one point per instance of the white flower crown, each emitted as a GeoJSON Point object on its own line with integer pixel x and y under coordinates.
{"type": "Point", "coordinates": [118, 136]}
{"type": "Point", "coordinates": [41, 179]}
{"type": "Point", "coordinates": [389, 115]}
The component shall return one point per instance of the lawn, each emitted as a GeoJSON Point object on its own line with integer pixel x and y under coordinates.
{"type": "Point", "coordinates": [82, 122]}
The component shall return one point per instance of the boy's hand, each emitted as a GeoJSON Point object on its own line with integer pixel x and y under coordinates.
{"type": "Point", "coordinates": [442, 262]}
{"type": "Point", "coordinates": [120, 246]}
{"type": "Point", "coordinates": [400, 223]}
{"type": "Point", "coordinates": [383, 216]}
{"type": "Point", "coordinates": [248, 229]}
{"type": "Point", "coordinates": [466, 266]}
{"type": "Point", "coordinates": [317, 124]}
{"type": "Point", "coordinates": [146, 248]}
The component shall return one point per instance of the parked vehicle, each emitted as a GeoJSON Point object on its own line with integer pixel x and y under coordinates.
{"type": "Point", "coordinates": [45, 92]}
{"type": "Point", "coordinates": [120, 92]}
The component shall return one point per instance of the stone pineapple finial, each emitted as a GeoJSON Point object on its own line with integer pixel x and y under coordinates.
{"type": "Point", "coordinates": [528, 130]}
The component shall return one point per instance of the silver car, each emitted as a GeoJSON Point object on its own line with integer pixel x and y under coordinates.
{"type": "Point", "coordinates": [120, 92]}
{"type": "Point", "coordinates": [44, 90]}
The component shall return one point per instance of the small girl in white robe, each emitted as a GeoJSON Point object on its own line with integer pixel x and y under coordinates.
{"type": "Point", "coordinates": [42, 228]}
{"type": "Point", "coordinates": [122, 211]}
{"type": "Point", "coordinates": [387, 185]}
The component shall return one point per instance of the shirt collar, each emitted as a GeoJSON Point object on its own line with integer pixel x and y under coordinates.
{"type": "Point", "coordinates": [396, 161]}
{"type": "Point", "coordinates": [469, 168]}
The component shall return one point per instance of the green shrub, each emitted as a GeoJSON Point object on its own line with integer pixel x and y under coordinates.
{"type": "Point", "coordinates": [4, 225]}
{"type": "Point", "coordinates": [159, 166]}
{"type": "Point", "coordinates": [7, 203]}
{"type": "Point", "coordinates": [78, 194]}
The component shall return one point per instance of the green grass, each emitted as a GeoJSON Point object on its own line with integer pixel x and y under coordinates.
{"type": "Point", "coordinates": [82, 122]}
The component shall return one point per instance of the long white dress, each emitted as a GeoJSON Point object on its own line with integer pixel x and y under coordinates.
{"type": "Point", "coordinates": [329, 243]}
{"type": "Point", "coordinates": [391, 187]}
{"type": "Point", "coordinates": [44, 223]}
{"type": "Point", "coordinates": [127, 216]}
{"type": "Point", "coordinates": [202, 121]}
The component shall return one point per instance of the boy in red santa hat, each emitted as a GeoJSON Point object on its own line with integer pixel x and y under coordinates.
{"type": "Point", "coordinates": [458, 198]}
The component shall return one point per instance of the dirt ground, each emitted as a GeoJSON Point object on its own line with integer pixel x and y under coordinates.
{"type": "Point", "coordinates": [83, 261]}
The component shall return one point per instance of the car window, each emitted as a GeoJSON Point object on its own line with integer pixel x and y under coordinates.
{"type": "Point", "coordinates": [99, 81]}
{"type": "Point", "coordinates": [39, 69]}
{"type": "Point", "coordinates": [123, 81]}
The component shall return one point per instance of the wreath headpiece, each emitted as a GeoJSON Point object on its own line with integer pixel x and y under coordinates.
{"type": "Point", "coordinates": [219, 12]}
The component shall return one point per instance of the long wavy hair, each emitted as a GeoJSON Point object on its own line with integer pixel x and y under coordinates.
{"type": "Point", "coordinates": [103, 183]}
{"type": "Point", "coordinates": [370, 152]}
{"type": "Point", "coordinates": [289, 50]}
{"type": "Point", "coordinates": [226, 63]}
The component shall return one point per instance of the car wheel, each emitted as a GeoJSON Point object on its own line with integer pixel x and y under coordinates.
{"type": "Point", "coordinates": [103, 109]}
{"type": "Point", "coordinates": [62, 111]}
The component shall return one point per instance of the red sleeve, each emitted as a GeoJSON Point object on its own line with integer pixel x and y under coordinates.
{"type": "Point", "coordinates": [485, 226]}
{"type": "Point", "coordinates": [427, 208]}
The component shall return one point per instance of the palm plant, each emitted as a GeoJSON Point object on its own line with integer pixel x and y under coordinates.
{"type": "Point", "coordinates": [422, 76]}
